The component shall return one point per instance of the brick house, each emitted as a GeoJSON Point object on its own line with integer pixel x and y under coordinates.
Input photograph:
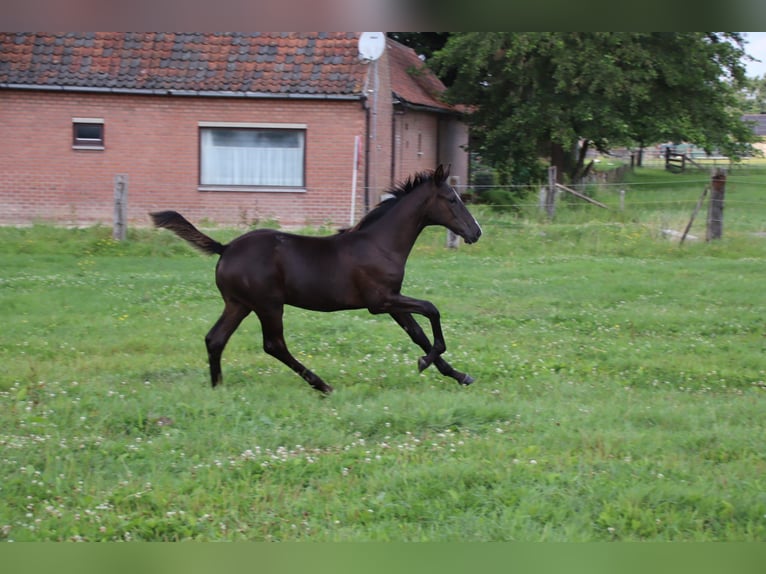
{"type": "Point", "coordinates": [231, 128]}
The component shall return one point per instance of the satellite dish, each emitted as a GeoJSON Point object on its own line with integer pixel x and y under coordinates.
{"type": "Point", "coordinates": [371, 45]}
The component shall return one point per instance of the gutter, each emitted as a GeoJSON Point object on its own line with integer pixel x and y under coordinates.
{"type": "Point", "coordinates": [188, 93]}
{"type": "Point", "coordinates": [424, 108]}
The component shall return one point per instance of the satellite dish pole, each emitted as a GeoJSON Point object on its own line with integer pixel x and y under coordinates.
{"type": "Point", "coordinates": [371, 47]}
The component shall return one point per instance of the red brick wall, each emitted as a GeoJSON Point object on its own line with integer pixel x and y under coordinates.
{"type": "Point", "coordinates": [154, 140]}
{"type": "Point", "coordinates": [453, 148]}
{"type": "Point", "coordinates": [423, 140]}
{"type": "Point", "coordinates": [415, 143]}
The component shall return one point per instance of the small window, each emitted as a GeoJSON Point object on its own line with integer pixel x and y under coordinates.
{"type": "Point", "coordinates": [87, 133]}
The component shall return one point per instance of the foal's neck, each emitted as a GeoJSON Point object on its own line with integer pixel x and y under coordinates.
{"type": "Point", "coordinates": [398, 230]}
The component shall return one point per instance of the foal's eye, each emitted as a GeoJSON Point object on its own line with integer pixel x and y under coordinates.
{"type": "Point", "coordinates": [453, 199]}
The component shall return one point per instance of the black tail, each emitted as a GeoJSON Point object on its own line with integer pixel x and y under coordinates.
{"type": "Point", "coordinates": [179, 225]}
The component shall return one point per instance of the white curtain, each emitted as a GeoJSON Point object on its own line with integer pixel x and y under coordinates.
{"type": "Point", "coordinates": [251, 157]}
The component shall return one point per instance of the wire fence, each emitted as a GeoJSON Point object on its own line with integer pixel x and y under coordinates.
{"type": "Point", "coordinates": [665, 204]}
{"type": "Point", "coordinates": [604, 193]}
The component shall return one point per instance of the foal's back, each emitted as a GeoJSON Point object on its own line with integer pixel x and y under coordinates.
{"type": "Point", "coordinates": [266, 267]}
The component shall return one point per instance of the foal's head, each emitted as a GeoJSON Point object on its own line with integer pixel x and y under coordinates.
{"type": "Point", "coordinates": [438, 202]}
{"type": "Point", "coordinates": [445, 207]}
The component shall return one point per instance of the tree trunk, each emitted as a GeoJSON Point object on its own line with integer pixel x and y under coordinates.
{"type": "Point", "coordinates": [586, 171]}
{"type": "Point", "coordinates": [572, 164]}
{"type": "Point", "coordinates": [579, 171]}
{"type": "Point", "coordinates": [558, 160]}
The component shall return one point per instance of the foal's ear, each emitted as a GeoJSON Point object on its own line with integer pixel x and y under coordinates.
{"type": "Point", "coordinates": [441, 174]}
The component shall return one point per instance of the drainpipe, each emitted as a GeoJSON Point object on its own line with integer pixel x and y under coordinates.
{"type": "Point", "coordinates": [439, 144]}
{"type": "Point", "coordinates": [394, 151]}
{"type": "Point", "coordinates": [365, 105]}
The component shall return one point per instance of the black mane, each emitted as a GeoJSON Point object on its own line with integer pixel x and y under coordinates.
{"type": "Point", "coordinates": [396, 192]}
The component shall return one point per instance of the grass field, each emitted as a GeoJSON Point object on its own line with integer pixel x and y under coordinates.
{"type": "Point", "coordinates": [620, 394]}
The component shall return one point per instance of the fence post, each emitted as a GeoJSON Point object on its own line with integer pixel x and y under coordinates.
{"type": "Point", "coordinates": [120, 231]}
{"type": "Point", "coordinates": [550, 193]}
{"type": "Point", "coordinates": [715, 207]}
{"type": "Point", "coordinates": [453, 239]}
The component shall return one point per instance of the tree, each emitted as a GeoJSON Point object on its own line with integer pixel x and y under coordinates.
{"type": "Point", "coordinates": [753, 96]}
{"type": "Point", "coordinates": [555, 95]}
{"type": "Point", "coordinates": [424, 43]}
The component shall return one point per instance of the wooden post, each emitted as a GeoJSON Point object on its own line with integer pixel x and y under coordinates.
{"type": "Point", "coordinates": [694, 214]}
{"type": "Point", "coordinates": [622, 200]}
{"type": "Point", "coordinates": [453, 239]}
{"type": "Point", "coordinates": [550, 193]}
{"type": "Point", "coordinates": [715, 208]}
{"type": "Point", "coordinates": [120, 231]}
{"type": "Point", "coordinates": [582, 196]}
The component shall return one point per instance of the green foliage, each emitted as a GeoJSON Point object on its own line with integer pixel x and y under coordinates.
{"type": "Point", "coordinates": [543, 93]}
{"type": "Point", "coordinates": [485, 192]}
{"type": "Point", "coordinates": [499, 199]}
{"type": "Point", "coordinates": [424, 43]}
{"type": "Point", "coordinates": [752, 96]}
{"type": "Point", "coordinates": [619, 391]}
{"type": "Point", "coordinates": [484, 179]}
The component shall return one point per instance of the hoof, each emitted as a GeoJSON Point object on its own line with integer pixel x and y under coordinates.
{"type": "Point", "coordinates": [423, 364]}
{"type": "Point", "coordinates": [466, 380]}
{"type": "Point", "coordinates": [325, 389]}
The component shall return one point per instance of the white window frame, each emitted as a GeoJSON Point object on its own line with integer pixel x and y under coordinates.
{"type": "Point", "coordinates": [86, 143]}
{"type": "Point", "coordinates": [277, 179]}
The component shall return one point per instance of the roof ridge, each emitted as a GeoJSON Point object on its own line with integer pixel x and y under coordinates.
{"type": "Point", "coordinates": [413, 82]}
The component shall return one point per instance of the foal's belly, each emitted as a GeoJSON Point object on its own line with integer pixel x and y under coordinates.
{"type": "Point", "coordinates": [322, 291]}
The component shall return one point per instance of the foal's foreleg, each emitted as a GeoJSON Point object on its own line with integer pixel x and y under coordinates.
{"type": "Point", "coordinates": [400, 305]}
{"type": "Point", "coordinates": [274, 344]}
{"type": "Point", "coordinates": [407, 322]}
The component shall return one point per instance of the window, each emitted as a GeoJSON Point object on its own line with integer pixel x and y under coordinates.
{"type": "Point", "coordinates": [252, 155]}
{"type": "Point", "coordinates": [87, 133]}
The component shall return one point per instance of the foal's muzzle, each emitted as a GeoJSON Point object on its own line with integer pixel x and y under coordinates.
{"type": "Point", "coordinates": [472, 235]}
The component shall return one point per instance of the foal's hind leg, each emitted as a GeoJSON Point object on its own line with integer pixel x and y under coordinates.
{"type": "Point", "coordinates": [218, 336]}
{"type": "Point", "coordinates": [407, 322]}
{"type": "Point", "coordinates": [274, 344]}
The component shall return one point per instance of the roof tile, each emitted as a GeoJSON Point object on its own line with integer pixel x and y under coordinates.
{"type": "Point", "coordinates": [279, 63]}
{"type": "Point", "coordinates": [228, 62]}
{"type": "Point", "coordinates": [411, 81]}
